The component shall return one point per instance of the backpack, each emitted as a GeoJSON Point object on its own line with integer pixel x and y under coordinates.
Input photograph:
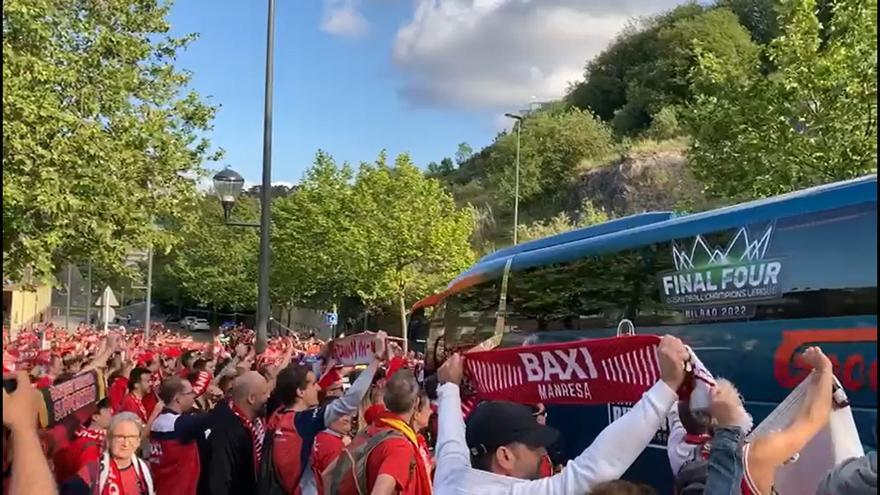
{"type": "Point", "coordinates": [347, 475]}
{"type": "Point", "coordinates": [286, 454]}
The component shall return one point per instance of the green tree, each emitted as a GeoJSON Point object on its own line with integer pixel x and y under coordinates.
{"type": "Point", "coordinates": [813, 121]}
{"type": "Point", "coordinates": [100, 135]}
{"type": "Point", "coordinates": [588, 215]}
{"type": "Point", "coordinates": [216, 265]}
{"type": "Point", "coordinates": [442, 171]}
{"type": "Point", "coordinates": [313, 240]}
{"type": "Point", "coordinates": [409, 238]}
{"type": "Point", "coordinates": [648, 67]}
{"type": "Point", "coordinates": [552, 147]}
{"type": "Point", "coordinates": [463, 154]}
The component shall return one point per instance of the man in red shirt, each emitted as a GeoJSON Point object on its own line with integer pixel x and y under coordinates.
{"type": "Point", "coordinates": [138, 386]}
{"type": "Point", "coordinates": [395, 465]}
{"type": "Point", "coordinates": [87, 444]}
{"type": "Point", "coordinates": [328, 445]}
{"type": "Point", "coordinates": [174, 453]}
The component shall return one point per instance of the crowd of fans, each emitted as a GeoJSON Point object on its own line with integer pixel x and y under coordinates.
{"type": "Point", "coordinates": [183, 418]}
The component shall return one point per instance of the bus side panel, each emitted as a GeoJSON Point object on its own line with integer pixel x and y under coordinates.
{"type": "Point", "coordinates": [761, 359]}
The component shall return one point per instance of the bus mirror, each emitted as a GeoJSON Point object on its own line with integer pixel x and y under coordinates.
{"type": "Point", "coordinates": [626, 327]}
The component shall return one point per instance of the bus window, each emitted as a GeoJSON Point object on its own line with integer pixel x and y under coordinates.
{"type": "Point", "coordinates": [828, 268]}
{"type": "Point", "coordinates": [592, 293]}
{"type": "Point", "coordinates": [469, 316]}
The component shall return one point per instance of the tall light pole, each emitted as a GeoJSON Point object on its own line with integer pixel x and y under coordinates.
{"type": "Point", "coordinates": [228, 185]}
{"type": "Point", "coordinates": [519, 121]}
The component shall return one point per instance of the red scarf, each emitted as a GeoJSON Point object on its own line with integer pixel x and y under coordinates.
{"type": "Point", "coordinates": [256, 430]}
{"type": "Point", "coordinates": [594, 371]}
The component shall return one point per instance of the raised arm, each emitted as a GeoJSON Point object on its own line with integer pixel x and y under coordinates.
{"type": "Point", "coordinates": [453, 456]}
{"type": "Point", "coordinates": [349, 402]}
{"type": "Point", "coordinates": [30, 470]}
{"type": "Point", "coordinates": [767, 453]}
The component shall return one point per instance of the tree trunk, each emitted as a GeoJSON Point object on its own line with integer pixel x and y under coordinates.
{"type": "Point", "coordinates": [403, 329]}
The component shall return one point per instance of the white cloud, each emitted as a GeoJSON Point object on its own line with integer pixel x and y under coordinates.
{"type": "Point", "coordinates": [498, 54]}
{"type": "Point", "coordinates": [343, 18]}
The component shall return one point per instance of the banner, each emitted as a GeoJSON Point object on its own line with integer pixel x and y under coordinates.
{"type": "Point", "coordinates": [835, 443]}
{"type": "Point", "coordinates": [595, 371]}
{"type": "Point", "coordinates": [65, 399]}
{"type": "Point", "coordinates": [354, 349]}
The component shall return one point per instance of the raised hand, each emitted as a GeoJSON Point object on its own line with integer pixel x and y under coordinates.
{"type": "Point", "coordinates": [816, 359]}
{"type": "Point", "coordinates": [673, 355]}
{"type": "Point", "coordinates": [380, 345]}
{"type": "Point", "coordinates": [452, 370]}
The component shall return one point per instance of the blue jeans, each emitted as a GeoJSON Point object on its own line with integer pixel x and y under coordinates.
{"type": "Point", "coordinates": [725, 462]}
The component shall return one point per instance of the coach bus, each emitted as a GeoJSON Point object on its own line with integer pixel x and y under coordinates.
{"type": "Point", "coordinates": [747, 286]}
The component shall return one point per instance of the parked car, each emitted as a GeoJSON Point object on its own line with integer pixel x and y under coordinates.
{"type": "Point", "coordinates": [200, 325]}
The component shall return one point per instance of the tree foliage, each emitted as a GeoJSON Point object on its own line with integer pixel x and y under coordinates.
{"type": "Point", "coordinates": [99, 137]}
{"type": "Point", "coordinates": [314, 233]}
{"type": "Point", "coordinates": [648, 67]}
{"type": "Point", "coordinates": [811, 122]}
{"type": "Point", "coordinates": [411, 238]}
{"type": "Point", "coordinates": [552, 146]}
{"type": "Point", "coordinates": [216, 265]}
{"type": "Point", "coordinates": [563, 222]}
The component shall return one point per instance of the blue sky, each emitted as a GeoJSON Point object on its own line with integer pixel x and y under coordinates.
{"type": "Point", "coordinates": [354, 77]}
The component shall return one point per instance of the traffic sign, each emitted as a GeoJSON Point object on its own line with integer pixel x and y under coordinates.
{"type": "Point", "coordinates": [111, 298]}
{"type": "Point", "coordinates": [331, 319]}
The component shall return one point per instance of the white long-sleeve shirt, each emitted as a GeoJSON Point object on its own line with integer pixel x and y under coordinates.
{"type": "Point", "coordinates": [607, 458]}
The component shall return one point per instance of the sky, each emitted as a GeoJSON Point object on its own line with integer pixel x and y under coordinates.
{"type": "Point", "coordinates": [354, 77]}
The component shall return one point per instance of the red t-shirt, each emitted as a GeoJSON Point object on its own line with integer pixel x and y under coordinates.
{"type": "Point", "coordinates": [395, 457]}
{"type": "Point", "coordinates": [117, 392]}
{"type": "Point", "coordinates": [328, 446]}
{"type": "Point", "coordinates": [130, 480]}
{"type": "Point", "coordinates": [78, 453]}
{"type": "Point", "coordinates": [131, 403]}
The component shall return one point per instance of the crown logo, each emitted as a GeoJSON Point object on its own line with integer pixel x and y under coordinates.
{"type": "Point", "coordinates": [740, 248]}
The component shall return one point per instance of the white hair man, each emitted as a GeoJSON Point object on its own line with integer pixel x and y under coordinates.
{"type": "Point", "coordinates": [119, 469]}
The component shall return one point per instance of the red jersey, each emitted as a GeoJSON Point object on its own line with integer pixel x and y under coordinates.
{"type": "Point", "coordinates": [45, 381]}
{"type": "Point", "coordinates": [395, 457]}
{"type": "Point", "coordinates": [117, 392]}
{"type": "Point", "coordinates": [131, 403]}
{"type": "Point", "coordinates": [85, 448]}
{"type": "Point", "coordinates": [174, 453]}
{"type": "Point", "coordinates": [328, 446]}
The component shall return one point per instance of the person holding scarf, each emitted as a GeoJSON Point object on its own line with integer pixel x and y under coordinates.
{"type": "Point", "coordinates": [394, 465]}
{"type": "Point", "coordinates": [119, 471]}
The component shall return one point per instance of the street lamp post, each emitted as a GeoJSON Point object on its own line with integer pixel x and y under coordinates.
{"type": "Point", "coordinates": [228, 185]}
{"type": "Point", "coordinates": [519, 121]}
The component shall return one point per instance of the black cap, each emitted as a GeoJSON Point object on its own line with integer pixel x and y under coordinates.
{"type": "Point", "coordinates": [497, 423]}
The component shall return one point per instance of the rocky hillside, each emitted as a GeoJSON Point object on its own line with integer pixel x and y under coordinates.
{"type": "Point", "coordinates": [642, 180]}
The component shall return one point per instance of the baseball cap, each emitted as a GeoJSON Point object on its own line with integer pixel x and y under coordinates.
{"type": "Point", "coordinates": [496, 423]}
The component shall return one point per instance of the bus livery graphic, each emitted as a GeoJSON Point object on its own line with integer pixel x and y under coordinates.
{"type": "Point", "coordinates": [706, 274]}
